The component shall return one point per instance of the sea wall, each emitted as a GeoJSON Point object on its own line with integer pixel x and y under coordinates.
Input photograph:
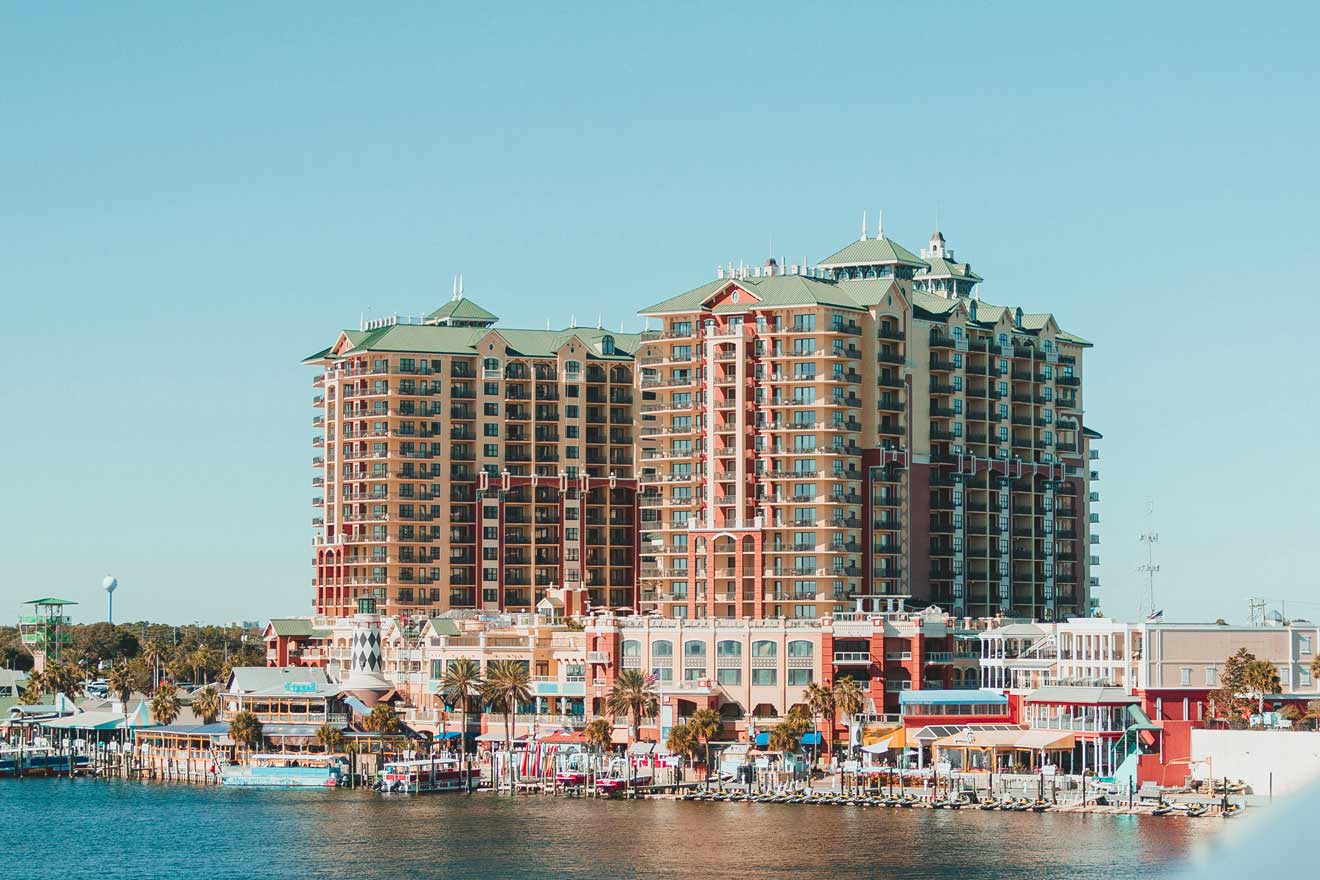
{"type": "Point", "coordinates": [1279, 760]}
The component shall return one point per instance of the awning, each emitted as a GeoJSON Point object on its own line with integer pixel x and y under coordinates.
{"type": "Point", "coordinates": [762, 740]}
{"type": "Point", "coordinates": [641, 748]}
{"type": "Point", "coordinates": [896, 740]}
{"type": "Point", "coordinates": [812, 739]}
{"type": "Point", "coordinates": [1007, 740]}
{"type": "Point", "coordinates": [449, 734]}
{"type": "Point", "coordinates": [564, 738]}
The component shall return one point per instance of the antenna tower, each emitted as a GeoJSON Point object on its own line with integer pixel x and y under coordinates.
{"type": "Point", "coordinates": [1150, 538]}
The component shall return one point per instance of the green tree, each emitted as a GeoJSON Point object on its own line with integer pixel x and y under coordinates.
{"type": "Point", "coordinates": [635, 696]}
{"type": "Point", "coordinates": [165, 704]}
{"type": "Point", "coordinates": [246, 730]}
{"type": "Point", "coordinates": [706, 724]}
{"type": "Point", "coordinates": [330, 738]}
{"type": "Point", "coordinates": [103, 642]}
{"type": "Point", "coordinates": [206, 704]}
{"type": "Point", "coordinates": [1227, 701]}
{"type": "Point", "coordinates": [786, 736]}
{"type": "Point", "coordinates": [1260, 678]}
{"type": "Point", "coordinates": [507, 686]}
{"type": "Point", "coordinates": [460, 683]}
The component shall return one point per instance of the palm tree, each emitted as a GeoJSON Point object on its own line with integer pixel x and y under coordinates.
{"type": "Point", "coordinates": [382, 719]}
{"type": "Point", "coordinates": [599, 734]}
{"type": "Point", "coordinates": [120, 682]}
{"type": "Point", "coordinates": [506, 687]}
{"type": "Point", "coordinates": [682, 741]}
{"type": "Point", "coordinates": [849, 698]}
{"type": "Point", "coordinates": [634, 695]}
{"type": "Point", "coordinates": [786, 735]}
{"type": "Point", "coordinates": [706, 724]}
{"type": "Point", "coordinates": [460, 683]}
{"type": "Point", "coordinates": [200, 661]}
{"type": "Point", "coordinates": [1261, 678]}
{"type": "Point", "coordinates": [246, 730]}
{"type": "Point", "coordinates": [32, 691]}
{"type": "Point", "coordinates": [820, 702]}
{"type": "Point", "coordinates": [165, 704]}
{"type": "Point", "coordinates": [62, 677]}
{"type": "Point", "coordinates": [206, 704]}
{"type": "Point", "coordinates": [152, 653]}
{"type": "Point", "coordinates": [330, 738]}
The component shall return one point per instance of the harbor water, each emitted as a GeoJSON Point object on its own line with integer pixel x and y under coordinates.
{"type": "Point", "coordinates": [84, 829]}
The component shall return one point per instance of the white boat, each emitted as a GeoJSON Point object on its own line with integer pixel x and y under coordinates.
{"type": "Point", "coordinates": [287, 770]}
{"type": "Point", "coordinates": [423, 775]}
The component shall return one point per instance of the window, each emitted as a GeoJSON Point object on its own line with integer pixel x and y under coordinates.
{"type": "Point", "coordinates": [694, 649]}
{"type": "Point", "coordinates": [801, 648]}
{"type": "Point", "coordinates": [1304, 645]}
{"type": "Point", "coordinates": [662, 648]}
{"type": "Point", "coordinates": [1304, 677]}
{"type": "Point", "coordinates": [799, 677]}
{"type": "Point", "coordinates": [607, 345]}
{"type": "Point", "coordinates": [632, 648]}
{"type": "Point", "coordinates": [1209, 676]}
{"type": "Point", "coordinates": [763, 676]}
{"type": "Point", "coordinates": [729, 676]}
{"type": "Point", "coordinates": [764, 649]}
{"type": "Point", "coordinates": [1186, 678]}
{"type": "Point", "coordinates": [728, 649]}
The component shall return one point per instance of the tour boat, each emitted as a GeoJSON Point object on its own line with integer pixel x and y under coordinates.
{"type": "Point", "coordinates": [36, 761]}
{"type": "Point", "coordinates": [286, 770]}
{"type": "Point", "coordinates": [423, 775]}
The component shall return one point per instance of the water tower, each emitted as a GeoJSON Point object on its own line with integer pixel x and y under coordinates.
{"type": "Point", "coordinates": [110, 584]}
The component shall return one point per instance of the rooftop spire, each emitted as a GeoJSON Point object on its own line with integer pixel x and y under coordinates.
{"type": "Point", "coordinates": [453, 289]}
{"type": "Point", "coordinates": [863, 238]}
{"type": "Point", "coordinates": [880, 224]}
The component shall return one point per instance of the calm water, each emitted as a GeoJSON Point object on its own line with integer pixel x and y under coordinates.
{"type": "Point", "coordinates": [90, 829]}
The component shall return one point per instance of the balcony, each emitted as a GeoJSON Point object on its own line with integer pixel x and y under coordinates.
{"type": "Point", "coordinates": [852, 658]}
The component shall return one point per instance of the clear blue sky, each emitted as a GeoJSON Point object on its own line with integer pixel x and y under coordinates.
{"type": "Point", "coordinates": [193, 198]}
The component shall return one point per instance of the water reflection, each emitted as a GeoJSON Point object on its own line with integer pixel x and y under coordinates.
{"type": "Point", "coordinates": [115, 829]}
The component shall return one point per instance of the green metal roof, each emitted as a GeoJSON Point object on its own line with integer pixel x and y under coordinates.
{"type": "Point", "coordinates": [874, 252]}
{"type": "Point", "coordinates": [50, 601]}
{"type": "Point", "coordinates": [299, 627]}
{"type": "Point", "coordinates": [770, 290]}
{"type": "Point", "coordinates": [439, 339]}
{"type": "Point", "coordinates": [461, 309]}
{"type": "Point", "coordinates": [938, 267]}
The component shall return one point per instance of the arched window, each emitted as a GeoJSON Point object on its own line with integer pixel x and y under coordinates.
{"type": "Point", "coordinates": [662, 648]}
{"type": "Point", "coordinates": [694, 649]}
{"type": "Point", "coordinates": [607, 345]}
{"type": "Point", "coordinates": [764, 649]}
{"type": "Point", "coordinates": [491, 363]}
{"type": "Point", "coordinates": [632, 648]}
{"type": "Point", "coordinates": [728, 649]}
{"type": "Point", "coordinates": [800, 648]}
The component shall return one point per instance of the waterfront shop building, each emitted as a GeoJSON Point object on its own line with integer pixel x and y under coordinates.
{"type": "Point", "coordinates": [290, 701]}
{"type": "Point", "coordinates": [554, 656]}
{"type": "Point", "coordinates": [858, 435]}
{"type": "Point", "coordinates": [463, 465]}
{"type": "Point", "coordinates": [1109, 730]}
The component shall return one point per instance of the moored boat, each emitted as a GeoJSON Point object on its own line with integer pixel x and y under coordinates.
{"type": "Point", "coordinates": [425, 775]}
{"type": "Point", "coordinates": [286, 770]}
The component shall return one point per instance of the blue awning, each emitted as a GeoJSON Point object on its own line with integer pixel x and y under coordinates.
{"type": "Point", "coordinates": [763, 739]}
{"type": "Point", "coordinates": [811, 739]}
{"type": "Point", "coordinates": [451, 734]}
{"type": "Point", "coordinates": [952, 698]}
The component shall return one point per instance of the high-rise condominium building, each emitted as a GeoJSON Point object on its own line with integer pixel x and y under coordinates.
{"type": "Point", "coordinates": [859, 434]}
{"type": "Point", "coordinates": [464, 465]}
